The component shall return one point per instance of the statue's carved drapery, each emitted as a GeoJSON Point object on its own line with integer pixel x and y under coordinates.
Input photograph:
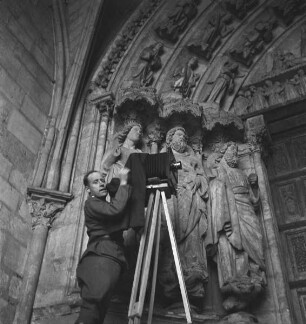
{"type": "Point", "coordinates": [188, 213]}
{"type": "Point", "coordinates": [236, 238]}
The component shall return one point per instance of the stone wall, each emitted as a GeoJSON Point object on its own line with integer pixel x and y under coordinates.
{"type": "Point", "coordinates": [26, 84]}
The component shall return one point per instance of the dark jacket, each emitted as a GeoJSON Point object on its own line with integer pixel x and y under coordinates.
{"type": "Point", "coordinates": [105, 223]}
{"type": "Point", "coordinates": [102, 217]}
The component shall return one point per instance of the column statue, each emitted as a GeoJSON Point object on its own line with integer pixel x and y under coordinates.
{"type": "Point", "coordinates": [234, 237]}
{"type": "Point", "coordinates": [188, 213]}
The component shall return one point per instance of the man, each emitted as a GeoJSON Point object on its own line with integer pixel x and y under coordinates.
{"type": "Point", "coordinates": [103, 261]}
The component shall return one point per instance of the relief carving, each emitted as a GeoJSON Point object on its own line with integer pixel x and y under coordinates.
{"type": "Point", "coordinates": [240, 8]}
{"type": "Point", "coordinates": [298, 243]}
{"type": "Point", "coordinates": [218, 27]}
{"type": "Point", "coordinates": [121, 44]}
{"type": "Point", "coordinates": [150, 64]}
{"type": "Point", "coordinates": [178, 20]}
{"type": "Point", "coordinates": [186, 77]}
{"type": "Point", "coordinates": [288, 197]}
{"type": "Point", "coordinates": [188, 213]}
{"type": "Point", "coordinates": [234, 238]}
{"type": "Point", "coordinates": [43, 212]}
{"type": "Point", "coordinates": [299, 145]}
{"type": "Point", "coordinates": [287, 10]}
{"type": "Point", "coordinates": [223, 85]}
{"type": "Point", "coordinates": [280, 159]}
{"type": "Point", "coordinates": [254, 42]}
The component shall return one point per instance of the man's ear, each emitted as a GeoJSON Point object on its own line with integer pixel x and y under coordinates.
{"type": "Point", "coordinates": [87, 189]}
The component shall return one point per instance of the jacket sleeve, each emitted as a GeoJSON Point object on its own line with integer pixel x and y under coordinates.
{"type": "Point", "coordinates": [103, 210]}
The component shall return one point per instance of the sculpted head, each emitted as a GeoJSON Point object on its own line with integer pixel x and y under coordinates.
{"type": "Point", "coordinates": [131, 131]}
{"type": "Point", "coordinates": [231, 154]}
{"type": "Point", "coordinates": [177, 139]}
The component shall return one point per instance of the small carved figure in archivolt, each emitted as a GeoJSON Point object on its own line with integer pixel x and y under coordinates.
{"type": "Point", "coordinates": [240, 8]}
{"type": "Point", "coordinates": [217, 28]}
{"type": "Point", "coordinates": [274, 92]}
{"type": "Point", "coordinates": [151, 63]}
{"type": "Point", "coordinates": [259, 99]}
{"type": "Point", "coordinates": [224, 83]}
{"type": "Point", "coordinates": [187, 77]}
{"type": "Point", "coordinates": [178, 20]}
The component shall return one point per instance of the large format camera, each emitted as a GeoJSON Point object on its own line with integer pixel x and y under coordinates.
{"type": "Point", "coordinates": [161, 168]}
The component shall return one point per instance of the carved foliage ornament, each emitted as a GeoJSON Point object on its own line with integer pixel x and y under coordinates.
{"type": "Point", "coordinates": [121, 44]}
{"type": "Point", "coordinates": [43, 212]}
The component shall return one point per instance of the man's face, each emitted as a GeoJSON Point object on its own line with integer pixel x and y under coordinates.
{"type": "Point", "coordinates": [179, 143]}
{"type": "Point", "coordinates": [134, 134]}
{"type": "Point", "coordinates": [96, 185]}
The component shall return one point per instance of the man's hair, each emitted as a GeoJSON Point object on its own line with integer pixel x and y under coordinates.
{"type": "Point", "coordinates": [85, 179]}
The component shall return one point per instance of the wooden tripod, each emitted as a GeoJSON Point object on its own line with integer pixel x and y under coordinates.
{"type": "Point", "coordinates": [157, 199]}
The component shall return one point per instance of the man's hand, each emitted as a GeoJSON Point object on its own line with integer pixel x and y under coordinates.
{"type": "Point", "coordinates": [123, 176]}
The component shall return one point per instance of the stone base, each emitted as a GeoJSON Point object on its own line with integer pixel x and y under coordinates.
{"type": "Point", "coordinates": [117, 314]}
{"type": "Point", "coordinates": [239, 318]}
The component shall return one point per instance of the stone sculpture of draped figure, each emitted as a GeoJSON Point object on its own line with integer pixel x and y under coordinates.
{"type": "Point", "coordinates": [234, 236]}
{"type": "Point", "coordinates": [188, 213]}
{"type": "Point", "coordinates": [124, 143]}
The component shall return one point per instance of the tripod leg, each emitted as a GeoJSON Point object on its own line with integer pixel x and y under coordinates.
{"type": "Point", "coordinates": [148, 256]}
{"type": "Point", "coordinates": [152, 297]}
{"type": "Point", "coordinates": [177, 260]}
{"type": "Point", "coordinates": [140, 256]}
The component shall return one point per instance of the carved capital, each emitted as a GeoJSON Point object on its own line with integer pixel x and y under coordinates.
{"type": "Point", "coordinates": [106, 105]}
{"type": "Point", "coordinates": [44, 204]}
{"type": "Point", "coordinates": [256, 133]}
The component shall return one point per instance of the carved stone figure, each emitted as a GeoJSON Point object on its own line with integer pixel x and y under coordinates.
{"type": "Point", "coordinates": [151, 63]}
{"type": "Point", "coordinates": [259, 100]}
{"type": "Point", "coordinates": [234, 237]}
{"type": "Point", "coordinates": [287, 10]}
{"type": "Point", "coordinates": [216, 29]}
{"type": "Point", "coordinates": [245, 51]}
{"type": "Point", "coordinates": [188, 212]}
{"type": "Point", "coordinates": [244, 102]}
{"type": "Point", "coordinates": [178, 20]}
{"type": "Point", "coordinates": [302, 80]}
{"type": "Point", "coordinates": [124, 143]}
{"type": "Point", "coordinates": [224, 84]}
{"type": "Point", "coordinates": [290, 89]}
{"type": "Point", "coordinates": [274, 92]}
{"type": "Point", "coordinates": [240, 8]}
{"type": "Point", "coordinates": [187, 78]}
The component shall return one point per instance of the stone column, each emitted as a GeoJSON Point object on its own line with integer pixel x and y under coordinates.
{"type": "Point", "coordinates": [257, 137]}
{"type": "Point", "coordinates": [105, 104]}
{"type": "Point", "coordinates": [44, 205]}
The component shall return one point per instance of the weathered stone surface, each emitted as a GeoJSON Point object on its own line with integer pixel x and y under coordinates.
{"type": "Point", "coordinates": [15, 259]}
{"type": "Point", "coordinates": [6, 167]}
{"type": "Point", "coordinates": [239, 318]}
{"type": "Point", "coordinates": [14, 288]}
{"type": "Point", "coordinates": [24, 131]}
{"type": "Point", "coordinates": [9, 195]}
{"type": "Point", "coordinates": [18, 181]}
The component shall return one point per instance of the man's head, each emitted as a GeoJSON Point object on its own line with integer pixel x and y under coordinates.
{"type": "Point", "coordinates": [177, 139]}
{"type": "Point", "coordinates": [95, 184]}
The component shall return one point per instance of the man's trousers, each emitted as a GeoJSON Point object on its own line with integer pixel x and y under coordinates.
{"type": "Point", "coordinates": [97, 276]}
